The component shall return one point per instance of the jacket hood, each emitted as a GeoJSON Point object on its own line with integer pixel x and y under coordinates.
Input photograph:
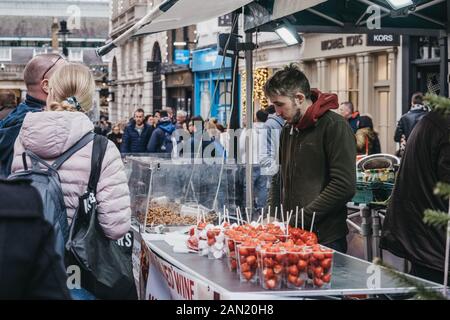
{"type": "Point", "coordinates": [322, 102]}
{"type": "Point", "coordinates": [355, 115]}
{"type": "Point", "coordinates": [50, 133]}
{"type": "Point", "coordinates": [167, 126]}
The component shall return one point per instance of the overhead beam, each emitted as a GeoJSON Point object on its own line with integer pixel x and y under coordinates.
{"type": "Point", "coordinates": [324, 16]}
{"type": "Point", "coordinates": [428, 4]}
{"type": "Point", "coordinates": [428, 19]}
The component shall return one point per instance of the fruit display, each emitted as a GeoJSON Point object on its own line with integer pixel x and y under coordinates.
{"type": "Point", "coordinates": [270, 254]}
{"type": "Point", "coordinates": [208, 240]}
{"type": "Point", "coordinates": [320, 266]}
{"type": "Point", "coordinates": [296, 266]}
{"type": "Point", "coordinates": [248, 264]}
{"type": "Point", "coordinates": [272, 262]}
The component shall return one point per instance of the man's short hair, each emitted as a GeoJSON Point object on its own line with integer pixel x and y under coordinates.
{"type": "Point", "coordinates": [140, 110]}
{"type": "Point", "coordinates": [40, 66]}
{"type": "Point", "coordinates": [349, 105]}
{"type": "Point", "coordinates": [287, 82]}
{"type": "Point", "coordinates": [417, 98]}
{"type": "Point", "coordinates": [262, 115]}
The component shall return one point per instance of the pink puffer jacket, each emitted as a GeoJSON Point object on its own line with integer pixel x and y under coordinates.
{"type": "Point", "coordinates": [48, 134]}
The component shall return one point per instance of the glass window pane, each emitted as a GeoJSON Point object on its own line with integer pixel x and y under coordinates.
{"type": "Point", "coordinates": [382, 67]}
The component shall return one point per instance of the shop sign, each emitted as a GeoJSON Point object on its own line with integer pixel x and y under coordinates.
{"type": "Point", "coordinates": [225, 20]}
{"type": "Point", "coordinates": [181, 56]}
{"type": "Point", "coordinates": [383, 39]}
{"type": "Point", "coordinates": [208, 59]}
{"type": "Point", "coordinates": [340, 43]}
{"type": "Point", "coordinates": [183, 79]}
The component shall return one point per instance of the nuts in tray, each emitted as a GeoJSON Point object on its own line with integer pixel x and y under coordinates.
{"type": "Point", "coordinates": [169, 215]}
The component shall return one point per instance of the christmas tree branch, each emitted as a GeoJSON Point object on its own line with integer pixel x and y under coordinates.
{"type": "Point", "coordinates": [422, 291]}
{"type": "Point", "coordinates": [436, 218]}
{"type": "Point", "coordinates": [443, 189]}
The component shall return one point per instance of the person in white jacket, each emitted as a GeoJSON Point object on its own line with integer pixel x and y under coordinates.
{"type": "Point", "coordinates": [258, 135]}
{"type": "Point", "coordinates": [63, 123]}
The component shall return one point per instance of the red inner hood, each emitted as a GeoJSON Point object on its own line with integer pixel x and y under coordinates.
{"type": "Point", "coordinates": [322, 102]}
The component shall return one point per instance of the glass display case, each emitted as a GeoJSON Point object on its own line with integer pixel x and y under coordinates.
{"type": "Point", "coordinates": [177, 192]}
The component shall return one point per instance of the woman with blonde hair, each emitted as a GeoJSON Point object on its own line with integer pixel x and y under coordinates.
{"type": "Point", "coordinates": [61, 125]}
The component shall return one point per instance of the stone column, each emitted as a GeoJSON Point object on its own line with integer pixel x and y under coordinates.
{"type": "Point", "coordinates": [322, 75]}
{"type": "Point", "coordinates": [392, 61]}
{"type": "Point", "coordinates": [365, 84]}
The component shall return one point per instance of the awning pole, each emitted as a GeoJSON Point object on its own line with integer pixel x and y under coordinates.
{"type": "Point", "coordinates": [249, 112]}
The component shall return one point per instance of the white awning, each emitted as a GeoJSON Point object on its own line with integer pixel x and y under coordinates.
{"type": "Point", "coordinates": [188, 12]}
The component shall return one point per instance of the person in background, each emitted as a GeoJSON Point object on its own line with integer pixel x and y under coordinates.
{"type": "Point", "coordinates": [30, 268]}
{"type": "Point", "coordinates": [170, 114]}
{"type": "Point", "coordinates": [317, 156]}
{"type": "Point", "coordinates": [259, 146]}
{"type": "Point", "coordinates": [150, 120]}
{"type": "Point", "coordinates": [7, 103]}
{"type": "Point", "coordinates": [346, 109]}
{"type": "Point", "coordinates": [36, 75]}
{"type": "Point", "coordinates": [367, 141]}
{"type": "Point", "coordinates": [269, 157]}
{"type": "Point", "coordinates": [161, 140]}
{"type": "Point", "coordinates": [103, 127]}
{"type": "Point", "coordinates": [181, 119]}
{"type": "Point", "coordinates": [202, 135]}
{"type": "Point", "coordinates": [116, 136]}
{"type": "Point", "coordinates": [425, 163]}
{"type": "Point", "coordinates": [409, 120]}
{"type": "Point", "coordinates": [136, 135]}
{"type": "Point", "coordinates": [157, 117]}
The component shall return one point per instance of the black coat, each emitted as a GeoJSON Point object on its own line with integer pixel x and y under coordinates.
{"type": "Point", "coordinates": [132, 142]}
{"type": "Point", "coordinates": [29, 265]}
{"type": "Point", "coordinates": [426, 161]}
{"type": "Point", "coordinates": [407, 123]}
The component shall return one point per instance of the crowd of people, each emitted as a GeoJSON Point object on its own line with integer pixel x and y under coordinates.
{"type": "Point", "coordinates": [305, 145]}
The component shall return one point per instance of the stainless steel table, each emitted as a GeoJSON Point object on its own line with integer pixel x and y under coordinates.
{"type": "Point", "coordinates": [351, 276]}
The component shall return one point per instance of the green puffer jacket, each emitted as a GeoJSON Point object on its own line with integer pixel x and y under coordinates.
{"type": "Point", "coordinates": [317, 168]}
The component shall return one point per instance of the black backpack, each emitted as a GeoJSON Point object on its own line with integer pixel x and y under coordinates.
{"type": "Point", "coordinates": [45, 178]}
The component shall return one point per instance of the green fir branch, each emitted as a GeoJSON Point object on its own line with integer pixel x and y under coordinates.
{"type": "Point", "coordinates": [436, 218]}
{"type": "Point", "coordinates": [438, 103]}
{"type": "Point", "coordinates": [423, 293]}
{"type": "Point", "coordinates": [442, 189]}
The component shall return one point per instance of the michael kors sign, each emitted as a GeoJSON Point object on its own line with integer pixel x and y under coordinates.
{"type": "Point", "coordinates": [340, 43]}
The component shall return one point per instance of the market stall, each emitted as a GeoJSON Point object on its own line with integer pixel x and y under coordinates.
{"type": "Point", "coordinates": [211, 279]}
{"type": "Point", "coordinates": [191, 255]}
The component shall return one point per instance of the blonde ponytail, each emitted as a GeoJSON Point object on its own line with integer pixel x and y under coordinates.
{"type": "Point", "coordinates": [71, 80]}
{"type": "Point", "coordinates": [61, 106]}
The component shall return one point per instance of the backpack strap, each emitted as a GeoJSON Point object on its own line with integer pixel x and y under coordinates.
{"type": "Point", "coordinates": [35, 159]}
{"type": "Point", "coordinates": [98, 153]}
{"type": "Point", "coordinates": [72, 150]}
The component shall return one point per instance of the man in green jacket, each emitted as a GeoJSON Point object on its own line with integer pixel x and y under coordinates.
{"type": "Point", "coordinates": [317, 156]}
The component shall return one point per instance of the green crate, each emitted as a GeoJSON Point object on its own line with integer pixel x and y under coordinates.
{"type": "Point", "coordinates": [367, 192]}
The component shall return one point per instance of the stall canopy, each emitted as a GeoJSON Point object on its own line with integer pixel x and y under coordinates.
{"type": "Point", "coordinates": [188, 12]}
{"type": "Point", "coordinates": [347, 16]}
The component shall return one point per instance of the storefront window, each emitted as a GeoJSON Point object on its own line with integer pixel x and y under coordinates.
{"type": "Point", "coordinates": [382, 67]}
{"type": "Point", "coordinates": [344, 79]}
